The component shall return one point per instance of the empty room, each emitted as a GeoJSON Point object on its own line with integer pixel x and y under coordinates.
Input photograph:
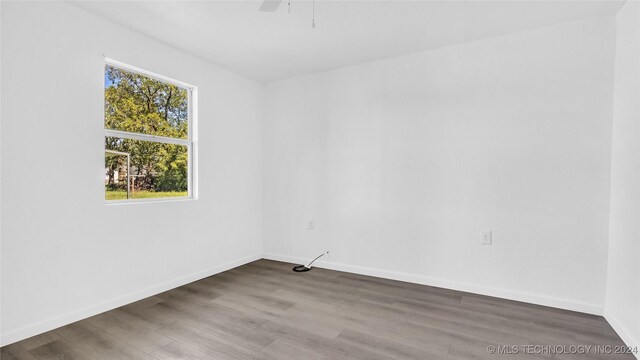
{"type": "Point", "coordinates": [319, 179]}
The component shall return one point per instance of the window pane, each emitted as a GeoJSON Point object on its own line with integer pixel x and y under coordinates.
{"type": "Point", "coordinates": [155, 170]}
{"type": "Point", "coordinates": [139, 104]}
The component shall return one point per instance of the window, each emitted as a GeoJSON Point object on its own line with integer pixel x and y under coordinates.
{"type": "Point", "coordinates": [148, 125]}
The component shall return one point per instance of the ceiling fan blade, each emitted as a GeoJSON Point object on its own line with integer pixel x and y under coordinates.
{"type": "Point", "coordinates": [270, 5]}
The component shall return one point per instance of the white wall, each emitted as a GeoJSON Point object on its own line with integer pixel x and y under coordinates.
{"type": "Point", "coordinates": [65, 254]}
{"type": "Point", "coordinates": [623, 282]}
{"type": "Point", "coordinates": [403, 162]}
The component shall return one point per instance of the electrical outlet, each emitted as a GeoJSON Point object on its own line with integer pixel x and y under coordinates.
{"type": "Point", "coordinates": [486, 238]}
{"type": "Point", "coordinates": [311, 224]}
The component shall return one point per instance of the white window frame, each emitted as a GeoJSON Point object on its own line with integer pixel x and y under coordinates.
{"type": "Point", "coordinates": [190, 142]}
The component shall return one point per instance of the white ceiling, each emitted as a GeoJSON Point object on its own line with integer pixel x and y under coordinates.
{"type": "Point", "coordinates": [271, 46]}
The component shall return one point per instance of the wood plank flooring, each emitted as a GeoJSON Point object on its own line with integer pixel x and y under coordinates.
{"type": "Point", "coordinates": [263, 310]}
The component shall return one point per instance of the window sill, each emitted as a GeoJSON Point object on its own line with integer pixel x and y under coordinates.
{"type": "Point", "coordinates": [147, 201]}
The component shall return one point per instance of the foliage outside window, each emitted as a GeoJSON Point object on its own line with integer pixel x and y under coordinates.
{"type": "Point", "coordinates": [148, 143]}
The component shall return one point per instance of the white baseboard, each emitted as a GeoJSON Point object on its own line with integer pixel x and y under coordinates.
{"type": "Point", "coordinates": [53, 323]}
{"type": "Point", "coordinates": [544, 300]}
{"type": "Point", "coordinates": [68, 318]}
{"type": "Point", "coordinates": [622, 331]}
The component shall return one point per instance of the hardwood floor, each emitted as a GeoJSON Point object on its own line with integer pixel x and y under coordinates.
{"type": "Point", "coordinates": [263, 310]}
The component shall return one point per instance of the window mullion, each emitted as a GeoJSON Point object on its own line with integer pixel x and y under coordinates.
{"type": "Point", "coordinates": [145, 137]}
